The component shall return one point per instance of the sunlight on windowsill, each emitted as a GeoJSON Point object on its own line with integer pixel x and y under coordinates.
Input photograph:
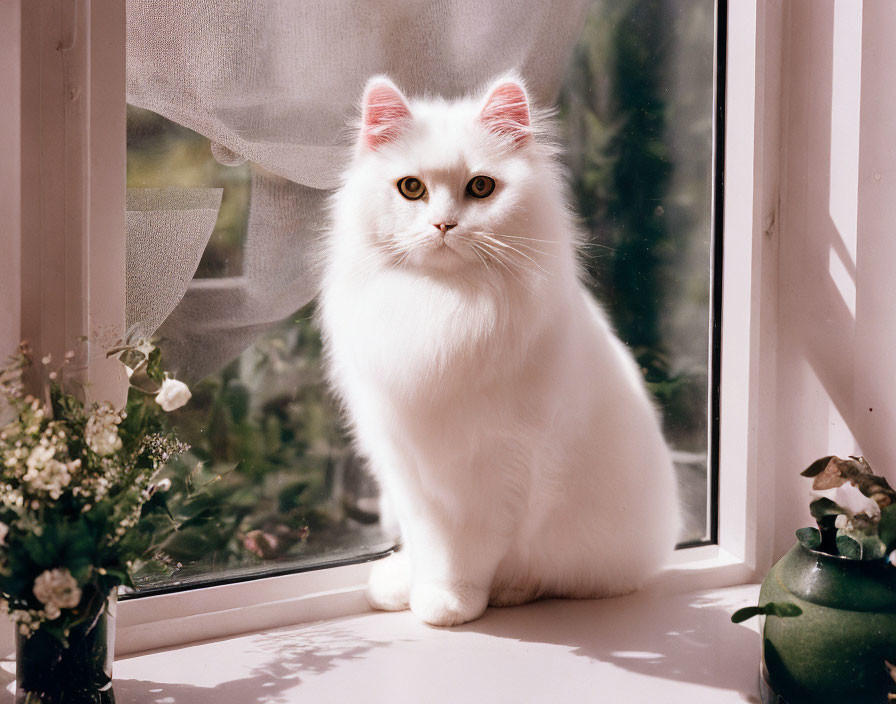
{"type": "Point", "coordinates": [643, 647]}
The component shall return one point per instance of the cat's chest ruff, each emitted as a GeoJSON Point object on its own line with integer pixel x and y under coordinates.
{"type": "Point", "coordinates": [394, 321]}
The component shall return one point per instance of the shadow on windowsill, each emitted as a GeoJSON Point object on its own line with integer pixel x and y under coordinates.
{"type": "Point", "coordinates": [685, 637]}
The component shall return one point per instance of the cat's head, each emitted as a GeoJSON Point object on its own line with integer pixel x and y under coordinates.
{"type": "Point", "coordinates": [452, 185]}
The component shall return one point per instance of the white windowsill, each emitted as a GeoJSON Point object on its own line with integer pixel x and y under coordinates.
{"type": "Point", "coordinates": [640, 648]}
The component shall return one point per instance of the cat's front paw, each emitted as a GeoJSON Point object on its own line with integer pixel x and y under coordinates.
{"type": "Point", "coordinates": [389, 584]}
{"type": "Point", "coordinates": [441, 605]}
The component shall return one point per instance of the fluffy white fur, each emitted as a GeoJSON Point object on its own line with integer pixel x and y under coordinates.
{"type": "Point", "coordinates": [514, 441]}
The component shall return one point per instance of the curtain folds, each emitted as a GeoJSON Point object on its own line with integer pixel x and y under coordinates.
{"type": "Point", "coordinates": [166, 230]}
{"type": "Point", "coordinates": [276, 82]}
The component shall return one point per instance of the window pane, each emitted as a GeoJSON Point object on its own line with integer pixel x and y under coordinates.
{"type": "Point", "coordinates": [270, 483]}
{"type": "Point", "coordinates": [281, 487]}
{"type": "Point", "coordinates": [638, 113]}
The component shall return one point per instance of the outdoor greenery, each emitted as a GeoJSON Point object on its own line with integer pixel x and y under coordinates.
{"type": "Point", "coordinates": [279, 483]}
{"type": "Point", "coordinates": [270, 480]}
{"type": "Point", "coordinates": [638, 118]}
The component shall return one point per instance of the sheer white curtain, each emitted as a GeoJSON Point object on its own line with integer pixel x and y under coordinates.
{"type": "Point", "coordinates": [276, 82]}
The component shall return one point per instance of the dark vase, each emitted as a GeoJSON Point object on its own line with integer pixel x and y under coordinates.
{"type": "Point", "coordinates": [49, 673]}
{"type": "Point", "coordinates": [837, 650]}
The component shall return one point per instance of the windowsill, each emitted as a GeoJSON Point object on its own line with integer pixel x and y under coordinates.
{"type": "Point", "coordinates": [644, 647]}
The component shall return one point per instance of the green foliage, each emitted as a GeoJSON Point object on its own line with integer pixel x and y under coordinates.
{"type": "Point", "coordinates": [849, 547]}
{"type": "Point", "coordinates": [80, 497]}
{"type": "Point", "coordinates": [809, 538]}
{"type": "Point", "coordinates": [265, 446]}
{"type": "Point", "coordinates": [868, 535]}
{"type": "Point", "coordinates": [824, 509]}
{"type": "Point", "coordinates": [778, 609]}
{"type": "Point", "coordinates": [886, 528]}
{"type": "Point", "coordinates": [643, 221]}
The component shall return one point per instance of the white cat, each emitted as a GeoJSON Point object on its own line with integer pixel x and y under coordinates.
{"type": "Point", "coordinates": [509, 428]}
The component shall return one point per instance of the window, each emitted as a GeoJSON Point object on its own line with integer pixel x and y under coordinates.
{"type": "Point", "coordinates": [750, 164]}
{"type": "Point", "coordinates": [271, 483]}
{"type": "Point", "coordinates": [638, 111]}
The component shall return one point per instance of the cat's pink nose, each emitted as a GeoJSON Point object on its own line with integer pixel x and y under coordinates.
{"type": "Point", "coordinates": [444, 226]}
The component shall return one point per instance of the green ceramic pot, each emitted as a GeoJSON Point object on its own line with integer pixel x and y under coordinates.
{"type": "Point", "coordinates": [835, 651]}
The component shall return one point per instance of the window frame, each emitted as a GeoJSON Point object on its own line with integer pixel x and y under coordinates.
{"type": "Point", "coordinates": [71, 73]}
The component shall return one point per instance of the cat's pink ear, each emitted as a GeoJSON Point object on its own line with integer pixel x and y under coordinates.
{"type": "Point", "coordinates": [506, 111]}
{"type": "Point", "coordinates": [385, 113]}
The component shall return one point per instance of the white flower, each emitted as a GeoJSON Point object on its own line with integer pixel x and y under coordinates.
{"type": "Point", "coordinates": [52, 612]}
{"type": "Point", "coordinates": [162, 485]}
{"type": "Point", "coordinates": [842, 521]}
{"type": "Point", "coordinates": [21, 616]}
{"type": "Point", "coordinates": [4, 531]}
{"type": "Point", "coordinates": [101, 431]}
{"type": "Point", "coordinates": [40, 455]}
{"type": "Point", "coordinates": [52, 477]}
{"type": "Point", "coordinates": [57, 588]}
{"type": "Point", "coordinates": [173, 394]}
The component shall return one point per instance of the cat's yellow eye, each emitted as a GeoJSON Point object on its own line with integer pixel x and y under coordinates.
{"type": "Point", "coordinates": [411, 188]}
{"type": "Point", "coordinates": [481, 186]}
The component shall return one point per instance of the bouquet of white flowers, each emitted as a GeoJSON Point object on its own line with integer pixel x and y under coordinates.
{"type": "Point", "coordinates": [79, 503]}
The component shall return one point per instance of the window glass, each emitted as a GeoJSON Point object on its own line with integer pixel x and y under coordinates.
{"type": "Point", "coordinates": [638, 112]}
{"type": "Point", "coordinates": [281, 488]}
{"type": "Point", "coordinates": [270, 483]}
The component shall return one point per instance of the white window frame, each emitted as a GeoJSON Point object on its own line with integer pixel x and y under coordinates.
{"type": "Point", "coordinates": [67, 67]}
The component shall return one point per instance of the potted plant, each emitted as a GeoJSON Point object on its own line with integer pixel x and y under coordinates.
{"type": "Point", "coordinates": [829, 605]}
{"type": "Point", "coordinates": [79, 503]}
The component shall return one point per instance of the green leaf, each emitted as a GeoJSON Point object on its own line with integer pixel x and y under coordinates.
{"type": "Point", "coordinates": [290, 496]}
{"type": "Point", "coordinates": [887, 527]}
{"type": "Point", "coordinates": [131, 358]}
{"type": "Point", "coordinates": [118, 576]}
{"type": "Point", "coordinates": [779, 609]}
{"type": "Point", "coordinates": [191, 544]}
{"type": "Point", "coordinates": [746, 613]}
{"type": "Point", "coordinates": [849, 548]}
{"type": "Point", "coordinates": [237, 398]}
{"type": "Point", "coordinates": [824, 508]}
{"type": "Point", "coordinates": [817, 467]}
{"type": "Point", "coordinates": [809, 538]}
{"type": "Point", "coordinates": [154, 366]}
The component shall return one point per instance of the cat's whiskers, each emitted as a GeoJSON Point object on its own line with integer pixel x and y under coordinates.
{"type": "Point", "coordinates": [531, 239]}
{"type": "Point", "coordinates": [509, 264]}
{"type": "Point", "coordinates": [597, 245]}
{"type": "Point", "coordinates": [481, 257]}
{"type": "Point", "coordinates": [498, 243]}
{"type": "Point", "coordinates": [535, 250]}
{"type": "Point", "coordinates": [512, 273]}
{"type": "Point", "coordinates": [516, 239]}
{"type": "Point", "coordinates": [401, 249]}
{"type": "Point", "coordinates": [383, 252]}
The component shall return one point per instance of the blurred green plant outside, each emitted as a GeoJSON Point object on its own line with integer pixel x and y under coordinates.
{"type": "Point", "coordinates": [638, 115]}
{"type": "Point", "coordinates": [280, 485]}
